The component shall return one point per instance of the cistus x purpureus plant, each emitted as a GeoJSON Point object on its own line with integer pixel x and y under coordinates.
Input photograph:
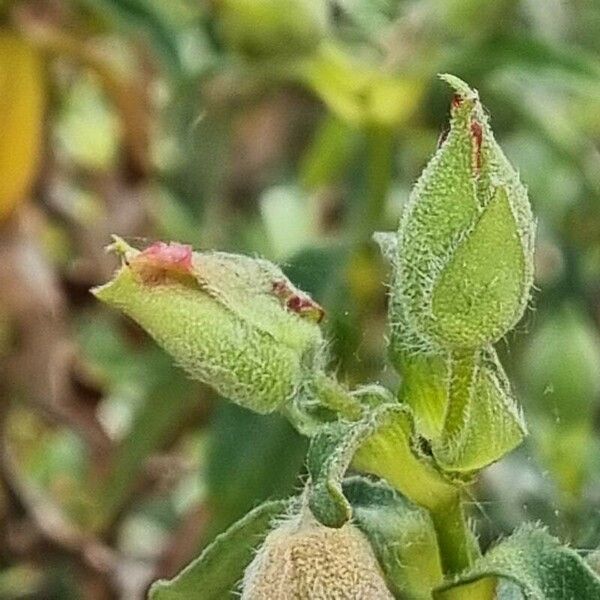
{"type": "Point", "coordinates": [462, 270]}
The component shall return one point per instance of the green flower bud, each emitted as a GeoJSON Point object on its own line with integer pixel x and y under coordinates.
{"type": "Point", "coordinates": [464, 264]}
{"type": "Point", "coordinates": [234, 322]}
{"type": "Point", "coordinates": [303, 559]}
{"type": "Point", "coordinates": [266, 29]}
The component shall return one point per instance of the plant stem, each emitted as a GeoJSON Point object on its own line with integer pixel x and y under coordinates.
{"type": "Point", "coordinates": [458, 548]}
{"type": "Point", "coordinates": [333, 395]}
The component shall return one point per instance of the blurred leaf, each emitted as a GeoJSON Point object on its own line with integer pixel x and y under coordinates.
{"type": "Point", "coordinates": [287, 219]}
{"type": "Point", "coordinates": [360, 94]}
{"type": "Point", "coordinates": [143, 15]}
{"type": "Point", "coordinates": [251, 458]}
{"type": "Point", "coordinates": [167, 406]}
{"type": "Point", "coordinates": [561, 371]}
{"type": "Point", "coordinates": [526, 52]}
{"type": "Point", "coordinates": [20, 582]}
{"type": "Point", "coordinates": [562, 366]}
{"type": "Point", "coordinates": [537, 563]}
{"type": "Point", "coordinates": [22, 100]}
{"type": "Point", "coordinates": [216, 572]}
{"type": "Point", "coordinates": [328, 153]}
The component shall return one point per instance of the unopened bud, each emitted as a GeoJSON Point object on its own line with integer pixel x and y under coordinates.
{"type": "Point", "coordinates": [303, 559]}
{"type": "Point", "coordinates": [234, 322]}
{"type": "Point", "coordinates": [465, 241]}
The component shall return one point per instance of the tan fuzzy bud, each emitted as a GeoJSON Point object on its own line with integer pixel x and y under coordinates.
{"type": "Point", "coordinates": [304, 560]}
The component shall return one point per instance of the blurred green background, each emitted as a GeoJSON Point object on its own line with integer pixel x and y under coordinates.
{"type": "Point", "coordinates": [290, 129]}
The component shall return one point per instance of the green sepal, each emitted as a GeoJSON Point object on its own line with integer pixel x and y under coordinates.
{"type": "Point", "coordinates": [215, 574]}
{"type": "Point", "coordinates": [481, 291]}
{"type": "Point", "coordinates": [536, 562]}
{"type": "Point", "coordinates": [401, 534]}
{"type": "Point", "coordinates": [482, 421]}
{"type": "Point", "coordinates": [382, 443]}
{"type": "Point", "coordinates": [462, 401]}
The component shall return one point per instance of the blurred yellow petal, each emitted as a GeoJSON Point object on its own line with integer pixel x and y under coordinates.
{"type": "Point", "coordinates": [21, 119]}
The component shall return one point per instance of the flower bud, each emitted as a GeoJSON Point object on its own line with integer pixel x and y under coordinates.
{"type": "Point", "coordinates": [267, 29]}
{"type": "Point", "coordinates": [303, 559]}
{"type": "Point", "coordinates": [464, 265]}
{"type": "Point", "coordinates": [234, 322]}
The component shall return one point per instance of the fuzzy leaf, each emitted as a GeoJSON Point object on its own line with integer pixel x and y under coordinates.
{"type": "Point", "coordinates": [401, 534]}
{"type": "Point", "coordinates": [216, 572]}
{"type": "Point", "coordinates": [537, 563]}
{"type": "Point", "coordinates": [382, 443]}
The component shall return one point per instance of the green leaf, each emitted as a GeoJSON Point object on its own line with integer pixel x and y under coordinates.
{"type": "Point", "coordinates": [142, 15]}
{"type": "Point", "coordinates": [536, 562]}
{"type": "Point", "coordinates": [216, 572]}
{"type": "Point", "coordinates": [382, 443]}
{"type": "Point", "coordinates": [250, 458]}
{"type": "Point", "coordinates": [401, 534]}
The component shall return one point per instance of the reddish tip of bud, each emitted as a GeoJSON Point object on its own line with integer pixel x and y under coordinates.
{"type": "Point", "coordinates": [159, 261]}
{"type": "Point", "coordinates": [457, 100]}
{"type": "Point", "coordinates": [170, 257]}
{"type": "Point", "coordinates": [477, 134]}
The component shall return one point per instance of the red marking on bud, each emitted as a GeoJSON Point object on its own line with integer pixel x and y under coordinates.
{"type": "Point", "coordinates": [442, 137]}
{"type": "Point", "coordinates": [477, 135]}
{"type": "Point", "coordinates": [457, 100]}
{"type": "Point", "coordinates": [298, 302]}
{"type": "Point", "coordinates": [161, 256]}
{"type": "Point", "coordinates": [171, 257]}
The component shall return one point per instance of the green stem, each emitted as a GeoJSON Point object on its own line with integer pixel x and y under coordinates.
{"type": "Point", "coordinates": [458, 548]}
{"type": "Point", "coordinates": [321, 392]}
{"type": "Point", "coordinates": [336, 397]}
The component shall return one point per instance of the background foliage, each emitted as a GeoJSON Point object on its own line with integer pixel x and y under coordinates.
{"type": "Point", "coordinates": [161, 120]}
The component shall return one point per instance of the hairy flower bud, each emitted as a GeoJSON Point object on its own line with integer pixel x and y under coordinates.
{"type": "Point", "coordinates": [465, 242]}
{"type": "Point", "coordinates": [234, 322]}
{"type": "Point", "coordinates": [303, 559]}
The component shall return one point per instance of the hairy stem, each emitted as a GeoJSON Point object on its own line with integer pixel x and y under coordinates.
{"type": "Point", "coordinates": [459, 549]}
